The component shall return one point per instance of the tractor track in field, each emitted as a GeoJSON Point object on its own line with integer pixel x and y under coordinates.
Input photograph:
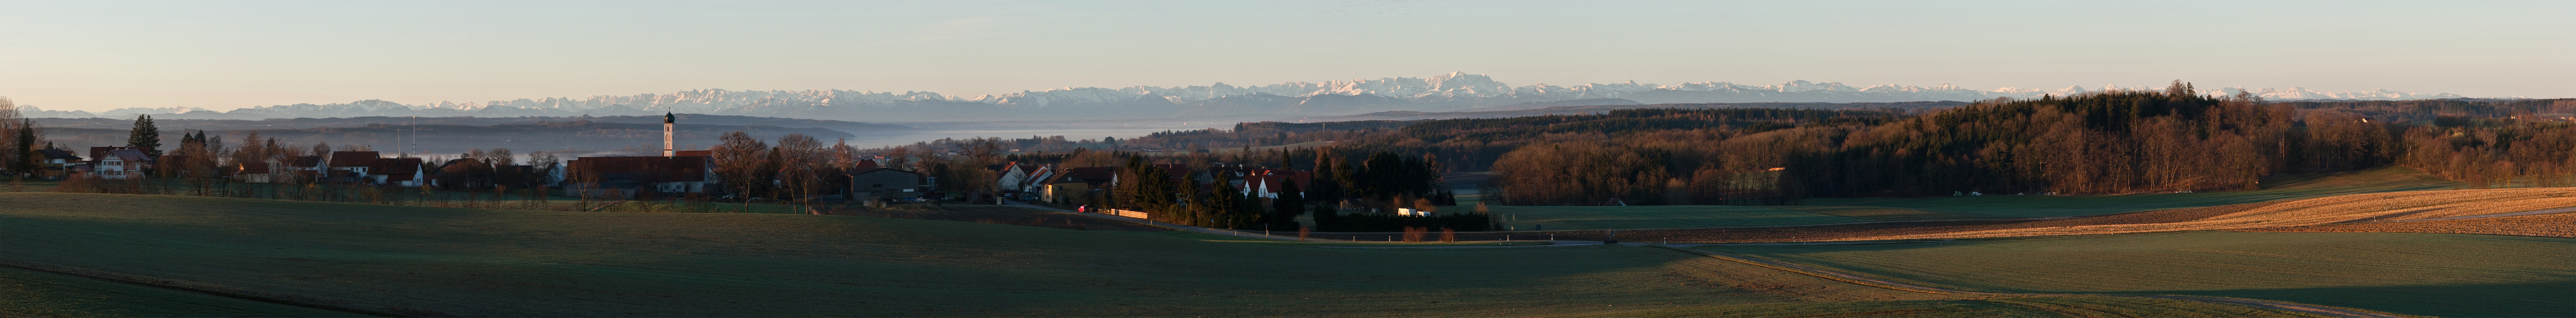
{"type": "Point", "coordinates": [1893, 285]}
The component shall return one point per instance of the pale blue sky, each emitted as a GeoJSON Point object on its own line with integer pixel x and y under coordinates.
{"type": "Point", "coordinates": [97, 55]}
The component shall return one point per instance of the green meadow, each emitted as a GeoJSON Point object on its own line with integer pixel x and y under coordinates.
{"type": "Point", "coordinates": [2449, 275]}
{"type": "Point", "coordinates": [140, 255]}
{"type": "Point", "coordinates": [31, 293]}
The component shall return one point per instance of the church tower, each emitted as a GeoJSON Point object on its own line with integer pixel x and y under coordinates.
{"type": "Point", "coordinates": [667, 120]}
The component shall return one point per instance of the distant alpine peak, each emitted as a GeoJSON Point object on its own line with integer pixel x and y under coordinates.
{"type": "Point", "coordinates": [1452, 90]}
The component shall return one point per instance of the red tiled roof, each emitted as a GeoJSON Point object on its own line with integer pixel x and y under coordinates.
{"type": "Point", "coordinates": [354, 158]}
{"type": "Point", "coordinates": [1269, 181]}
{"type": "Point", "coordinates": [693, 153]}
{"type": "Point", "coordinates": [130, 155]}
{"type": "Point", "coordinates": [101, 152]}
{"type": "Point", "coordinates": [878, 169]}
{"type": "Point", "coordinates": [455, 165]}
{"type": "Point", "coordinates": [404, 167]}
{"type": "Point", "coordinates": [1088, 175]}
{"type": "Point", "coordinates": [651, 169]}
{"type": "Point", "coordinates": [253, 167]}
{"type": "Point", "coordinates": [57, 154]}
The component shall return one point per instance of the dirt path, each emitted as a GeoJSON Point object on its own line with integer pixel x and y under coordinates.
{"type": "Point", "coordinates": [1882, 283]}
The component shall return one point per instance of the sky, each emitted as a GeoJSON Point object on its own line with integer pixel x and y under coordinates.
{"type": "Point", "coordinates": [100, 55]}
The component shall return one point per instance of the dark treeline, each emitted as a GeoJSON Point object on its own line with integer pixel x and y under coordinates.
{"type": "Point", "coordinates": [2496, 151]}
{"type": "Point", "coordinates": [2432, 109]}
{"type": "Point", "coordinates": [2107, 143]}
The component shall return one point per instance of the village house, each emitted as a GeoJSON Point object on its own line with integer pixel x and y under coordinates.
{"type": "Point", "coordinates": [298, 169]}
{"type": "Point", "coordinates": [352, 166]}
{"type": "Point", "coordinates": [1030, 186]}
{"type": "Point", "coordinates": [55, 163]}
{"type": "Point", "coordinates": [1268, 183]}
{"type": "Point", "coordinates": [404, 172]}
{"type": "Point", "coordinates": [252, 172]}
{"type": "Point", "coordinates": [1077, 184]}
{"type": "Point", "coordinates": [118, 163]}
{"type": "Point", "coordinates": [1012, 176]}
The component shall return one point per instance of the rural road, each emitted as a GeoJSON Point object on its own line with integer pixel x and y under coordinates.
{"type": "Point", "coordinates": [1829, 274]}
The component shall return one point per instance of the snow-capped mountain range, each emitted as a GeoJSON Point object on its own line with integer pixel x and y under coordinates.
{"type": "Point", "coordinates": [1451, 91]}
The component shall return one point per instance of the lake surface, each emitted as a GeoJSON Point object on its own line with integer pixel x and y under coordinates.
{"type": "Point", "coordinates": [1069, 134]}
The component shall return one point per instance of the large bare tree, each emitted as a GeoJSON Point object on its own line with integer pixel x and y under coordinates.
{"type": "Point", "coordinates": [739, 157]}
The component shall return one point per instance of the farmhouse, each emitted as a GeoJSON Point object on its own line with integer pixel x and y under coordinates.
{"type": "Point", "coordinates": [1077, 184]}
{"type": "Point", "coordinates": [397, 171]}
{"type": "Point", "coordinates": [55, 163]}
{"type": "Point", "coordinates": [1033, 184]}
{"type": "Point", "coordinates": [252, 172]}
{"type": "Point", "coordinates": [1268, 183]}
{"type": "Point", "coordinates": [1012, 175]}
{"type": "Point", "coordinates": [298, 168]}
{"type": "Point", "coordinates": [119, 163]}
{"type": "Point", "coordinates": [352, 166]}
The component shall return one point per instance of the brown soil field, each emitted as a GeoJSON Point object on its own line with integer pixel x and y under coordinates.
{"type": "Point", "coordinates": [2551, 225]}
{"type": "Point", "coordinates": [989, 214]}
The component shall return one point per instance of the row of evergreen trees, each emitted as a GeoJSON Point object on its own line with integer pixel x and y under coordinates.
{"type": "Point", "coordinates": [1343, 197]}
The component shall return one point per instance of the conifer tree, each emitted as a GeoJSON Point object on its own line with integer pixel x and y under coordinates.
{"type": "Point", "coordinates": [1285, 208]}
{"type": "Point", "coordinates": [27, 161]}
{"type": "Point", "coordinates": [145, 137]}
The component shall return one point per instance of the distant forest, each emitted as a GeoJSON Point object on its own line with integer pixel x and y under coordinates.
{"type": "Point", "coordinates": [2101, 143]}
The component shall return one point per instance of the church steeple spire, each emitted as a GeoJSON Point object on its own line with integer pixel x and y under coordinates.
{"type": "Point", "coordinates": [667, 120]}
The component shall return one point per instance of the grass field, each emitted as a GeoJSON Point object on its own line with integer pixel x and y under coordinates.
{"type": "Point", "coordinates": [1527, 218]}
{"type": "Point", "coordinates": [2451, 275]}
{"type": "Point", "coordinates": [2387, 179]}
{"type": "Point", "coordinates": [29, 293]}
{"type": "Point", "coordinates": [463, 262]}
